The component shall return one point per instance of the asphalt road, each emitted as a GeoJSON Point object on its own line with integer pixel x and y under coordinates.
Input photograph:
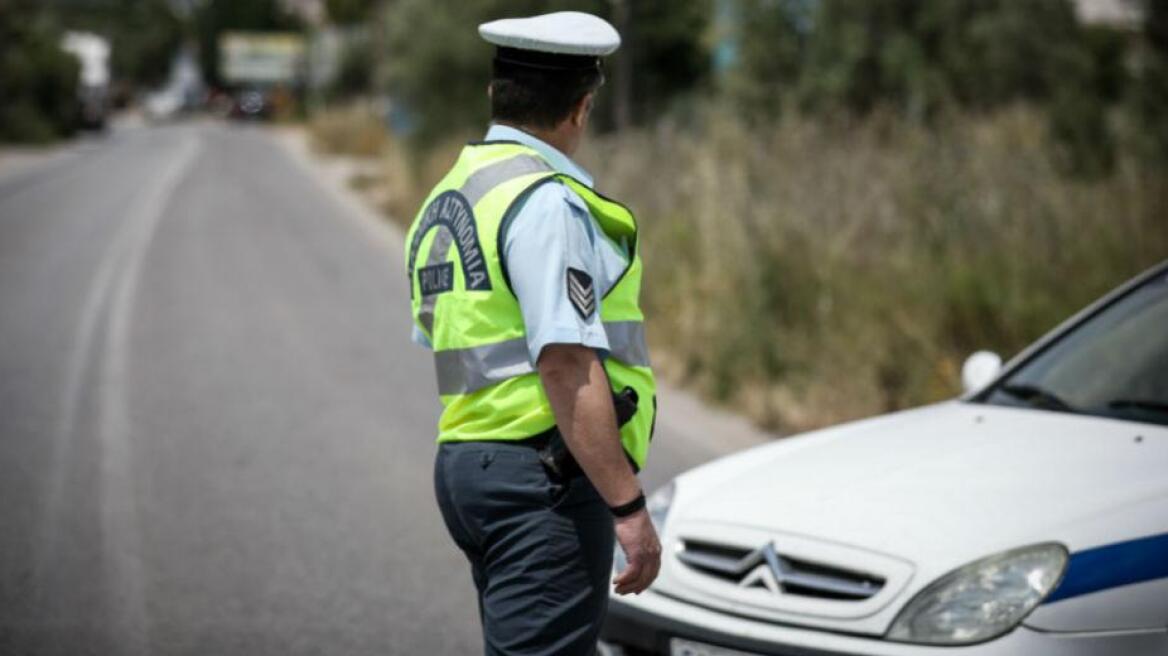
{"type": "Point", "coordinates": [215, 437]}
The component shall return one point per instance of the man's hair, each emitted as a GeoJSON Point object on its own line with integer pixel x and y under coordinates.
{"type": "Point", "coordinates": [539, 98]}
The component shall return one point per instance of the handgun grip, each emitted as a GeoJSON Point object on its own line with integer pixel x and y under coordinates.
{"type": "Point", "coordinates": [625, 404]}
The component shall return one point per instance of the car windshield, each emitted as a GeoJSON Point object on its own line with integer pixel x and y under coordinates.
{"type": "Point", "coordinates": [1113, 365]}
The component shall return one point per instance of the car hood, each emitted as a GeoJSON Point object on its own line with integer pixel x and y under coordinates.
{"type": "Point", "coordinates": [941, 485]}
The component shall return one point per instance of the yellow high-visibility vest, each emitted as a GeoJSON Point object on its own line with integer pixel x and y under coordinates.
{"type": "Point", "coordinates": [463, 303]}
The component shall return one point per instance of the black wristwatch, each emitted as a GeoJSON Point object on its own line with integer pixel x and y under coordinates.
{"type": "Point", "coordinates": [626, 509]}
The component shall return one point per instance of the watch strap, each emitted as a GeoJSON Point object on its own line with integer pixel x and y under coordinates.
{"type": "Point", "coordinates": [626, 509]}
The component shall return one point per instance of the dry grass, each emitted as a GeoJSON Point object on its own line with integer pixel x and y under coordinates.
{"type": "Point", "coordinates": [352, 130]}
{"type": "Point", "coordinates": [392, 175]}
{"type": "Point", "coordinates": [807, 274]}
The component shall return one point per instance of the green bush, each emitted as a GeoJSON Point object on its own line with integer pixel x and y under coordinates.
{"type": "Point", "coordinates": [38, 81]}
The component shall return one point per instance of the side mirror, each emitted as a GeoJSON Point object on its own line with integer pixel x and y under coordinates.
{"type": "Point", "coordinates": [979, 370]}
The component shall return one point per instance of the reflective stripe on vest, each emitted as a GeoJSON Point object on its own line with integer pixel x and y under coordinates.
{"type": "Point", "coordinates": [462, 371]}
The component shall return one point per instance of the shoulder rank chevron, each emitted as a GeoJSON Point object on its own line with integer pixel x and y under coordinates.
{"type": "Point", "coordinates": [581, 292]}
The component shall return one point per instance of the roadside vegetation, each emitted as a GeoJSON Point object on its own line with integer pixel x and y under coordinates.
{"type": "Point", "coordinates": [40, 84]}
{"type": "Point", "coordinates": [38, 81]}
{"type": "Point", "coordinates": [833, 222]}
{"type": "Point", "coordinates": [807, 274]}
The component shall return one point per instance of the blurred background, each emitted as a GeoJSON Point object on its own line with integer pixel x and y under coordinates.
{"type": "Point", "coordinates": [849, 196]}
{"type": "Point", "coordinates": [215, 433]}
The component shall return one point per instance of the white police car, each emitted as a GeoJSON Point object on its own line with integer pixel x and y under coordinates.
{"type": "Point", "coordinates": [1029, 517]}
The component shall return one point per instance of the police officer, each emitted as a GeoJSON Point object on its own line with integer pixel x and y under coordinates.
{"type": "Point", "coordinates": [525, 283]}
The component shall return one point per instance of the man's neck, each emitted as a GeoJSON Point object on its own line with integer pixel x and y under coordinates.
{"type": "Point", "coordinates": [554, 138]}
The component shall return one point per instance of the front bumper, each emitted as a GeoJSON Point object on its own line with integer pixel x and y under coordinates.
{"type": "Point", "coordinates": [647, 624]}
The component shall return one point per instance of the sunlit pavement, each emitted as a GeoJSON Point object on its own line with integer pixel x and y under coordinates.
{"type": "Point", "coordinates": [215, 437]}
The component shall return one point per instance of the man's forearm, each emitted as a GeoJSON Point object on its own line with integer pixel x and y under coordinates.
{"type": "Point", "coordinates": [581, 399]}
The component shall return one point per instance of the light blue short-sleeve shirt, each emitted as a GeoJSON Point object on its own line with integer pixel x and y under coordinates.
{"type": "Point", "coordinates": [550, 233]}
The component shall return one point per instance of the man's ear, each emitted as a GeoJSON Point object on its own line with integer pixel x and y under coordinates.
{"type": "Point", "coordinates": [582, 110]}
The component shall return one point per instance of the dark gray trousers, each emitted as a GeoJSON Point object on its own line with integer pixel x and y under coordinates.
{"type": "Point", "coordinates": [540, 550]}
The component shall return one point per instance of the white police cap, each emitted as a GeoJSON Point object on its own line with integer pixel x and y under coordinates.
{"type": "Point", "coordinates": [571, 33]}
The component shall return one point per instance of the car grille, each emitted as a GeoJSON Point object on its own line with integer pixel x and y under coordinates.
{"type": "Point", "coordinates": [767, 568]}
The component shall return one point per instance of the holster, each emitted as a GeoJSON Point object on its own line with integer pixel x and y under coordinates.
{"type": "Point", "coordinates": [553, 452]}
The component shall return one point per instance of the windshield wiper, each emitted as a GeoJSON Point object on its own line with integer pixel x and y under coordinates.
{"type": "Point", "coordinates": [1036, 396]}
{"type": "Point", "coordinates": [1138, 404]}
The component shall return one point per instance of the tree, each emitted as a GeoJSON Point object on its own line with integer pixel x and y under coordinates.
{"type": "Point", "coordinates": [144, 34]}
{"type": "Point", "coordinates": [436, 65]}
{"type": "Point", "coordinates": [765, 42]}
{"type": "Point", "coordinates": [1149, 93]}
{"type": "Point", "coordinates": [918, 58]}
{"type": "Point", "coordinates": [355, 73]}
{"type": "Point", "coordinates": [668, 57]}
{"type": "Point", "coordinates": [349, 12]}
{"type": "Point", "coordinates": [38, 81]}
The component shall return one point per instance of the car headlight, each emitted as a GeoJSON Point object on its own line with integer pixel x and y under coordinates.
{"type": "Point", "coordinates": [983, 599]}
{"type": "Point", "coordinates": [657, 505]}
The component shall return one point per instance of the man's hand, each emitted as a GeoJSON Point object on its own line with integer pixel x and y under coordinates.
{"type": "Point", "coordinates": [581, 399]}
{"type": "Point", "coordinates": [638, 539]}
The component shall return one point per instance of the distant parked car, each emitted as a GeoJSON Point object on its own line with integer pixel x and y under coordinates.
{"type": "Point", "coordinates": [252, 103]}
{"type": "Point", "coordinates": [1029, 517]}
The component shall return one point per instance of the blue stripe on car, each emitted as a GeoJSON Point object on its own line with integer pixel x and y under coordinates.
{"type": "Point", "coordinates": [1113, 565]}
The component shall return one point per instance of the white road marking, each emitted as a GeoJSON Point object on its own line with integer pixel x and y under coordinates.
{"type": "Point", "coordinates": [48, 537]}
{"type": "Point", "coordinates": [113, 291]}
